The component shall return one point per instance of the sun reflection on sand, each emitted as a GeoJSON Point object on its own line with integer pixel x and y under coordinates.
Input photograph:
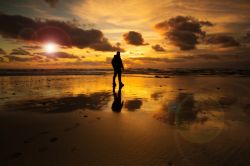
{"type": "Point", "coordinates": [188, 117]}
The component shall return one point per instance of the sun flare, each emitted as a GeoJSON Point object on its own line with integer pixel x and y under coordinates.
{"type": "Point", "coordinates": [50, 47]}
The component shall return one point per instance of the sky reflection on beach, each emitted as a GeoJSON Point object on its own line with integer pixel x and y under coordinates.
{"type": "Point", "coordinates": [199, 110]}
{"type": "Point", "coordinates": [174, 101]}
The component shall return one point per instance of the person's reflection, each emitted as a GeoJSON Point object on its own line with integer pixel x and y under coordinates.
{"type": "Point", "coordinates": [117, 103]}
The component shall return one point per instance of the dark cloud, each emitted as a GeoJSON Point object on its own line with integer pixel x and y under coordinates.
{"type": "Point", "coordinates": [208, 56]}
{"type": "Point", "coordinates": [183, 31]}
{"type": "Point", "coordinates": [237, 57]}
{"type": "Point", "coordinates": [52, 3]}
{"type": "Point", "coordinates": [186, 58]}
{"type": "Point", "coordinates": [13, 58]}
{"type": "Point", "coordinates": [19, 51]}
{"type": "Point", "coordinates": [200, 56]}
{"type": "Point", "coordinates": [2, 52]}
{"type": "Point", "coordinates": [105, 46]}
{"type": "Point", "coordinates": [133, 105]}
{"type": "Point", "coordinates": [64, 33]}
{"type": "Point", "coordinates": [151, 60]}
{"type": "Point", "coordinates": [206, 23]}
{"type": "Point", "coordinates": [37, 58]}
{"type": "Point", "coordinates": [87, 63]}
{"type": "Point", "coordinates": [32, 47]}
{"type": "Point", "coordinates": [134, 38]}
{"type": "Point", "coordinates": [246, 38]}
{"type": "Point", "coordinates": [84, 63]}
{"type": "Point", "coordinates": [227, 59]}
{"type": "Point", "coordinates": [222, 40]}
{"type": "Point", "coordinates": [158, 48]}
{"type": "Point", "coordinates": [56, 56]}
{"type": "Point", "coordinates": [1, 59]}
{"type": "Point", "coordinates": [63, 55]}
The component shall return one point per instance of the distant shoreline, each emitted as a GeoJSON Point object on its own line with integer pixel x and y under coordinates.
{"type": "Point", "coordinates": [157, 72]}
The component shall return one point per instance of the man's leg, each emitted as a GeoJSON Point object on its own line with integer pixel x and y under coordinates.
{"type": "Point", "coordinates": [115, 74]}
{"type": "Point", "coordinates": [120, 78]}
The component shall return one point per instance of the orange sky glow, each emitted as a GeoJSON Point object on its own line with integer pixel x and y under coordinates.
{"type": "Point", "coordinates": [149, 34]}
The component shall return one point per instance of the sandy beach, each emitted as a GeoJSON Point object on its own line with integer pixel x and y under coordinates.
{"type": "Point", "coordinates": [68, 120]}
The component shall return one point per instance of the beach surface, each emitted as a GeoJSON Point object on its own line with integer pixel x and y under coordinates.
{"type": "Point", "coordinates": [162, 121]}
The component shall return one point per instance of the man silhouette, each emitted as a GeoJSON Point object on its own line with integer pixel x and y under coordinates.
{"type": "Point", "coordinates": [118, 67]}
{"type": "Point", "coordinates": [117, 103]}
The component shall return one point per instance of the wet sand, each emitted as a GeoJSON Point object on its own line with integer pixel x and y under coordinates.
{"type": "Point", "coordinates": [68, 120]}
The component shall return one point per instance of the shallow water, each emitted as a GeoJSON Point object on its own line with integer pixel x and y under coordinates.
{"type": "Point", "coordinates": [80, 120]}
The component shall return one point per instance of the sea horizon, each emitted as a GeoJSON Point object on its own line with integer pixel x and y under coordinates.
{"type": "Point", "coordinates": [146, 71]}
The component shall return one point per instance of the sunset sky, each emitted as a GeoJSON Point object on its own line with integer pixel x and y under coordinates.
{"type": "Point", "coordinates": [149, 33]}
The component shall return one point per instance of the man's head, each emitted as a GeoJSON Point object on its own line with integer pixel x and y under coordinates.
{"type": "Point", "coordinates": [118, 53]}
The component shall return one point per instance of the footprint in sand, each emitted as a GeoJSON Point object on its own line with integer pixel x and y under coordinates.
{"type": "Point", "coordinates": [54, 139]}
{"type": "Point", "coordinates": [44, 132]}
{"type": "Point", "coordinates": [33, 138]}
{"type": "Point", "coordinates": [71, 128]}
{"type": "Point", "coordinates": [74, 149]}
{"type": "Point", "coordinates": [42, 149]}
{"type": "Point", "coordinates": [16, 155]}
{"type": "Point", "coordinates": [170, 163]}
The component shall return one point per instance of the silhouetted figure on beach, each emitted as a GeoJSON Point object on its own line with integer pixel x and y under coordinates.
{"type": "Point", "coordinates": [118, 67]}
{"type": "Point", "coordinates": [117, 103]}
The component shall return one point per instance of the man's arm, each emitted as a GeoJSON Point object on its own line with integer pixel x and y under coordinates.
{"type": "Point", "coordinates": [122, 64]}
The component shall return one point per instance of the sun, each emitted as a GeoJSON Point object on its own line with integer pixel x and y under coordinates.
{"type": "Point", "coordinates": [50, 47]}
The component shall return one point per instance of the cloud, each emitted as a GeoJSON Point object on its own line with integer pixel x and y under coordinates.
{"type": "Point", "coordinates": [32, 47]}
{"type": "Point", "coordinates": [64, 33]}
{"type": "Point", "coordinates": [153, 60]}
{"type": "Point", "coordinates": [222, 40]}
{"type": "Point", "coordinates": [57, 55]}
{"type": "Point", "coordinates": [206, 23]}
{"type": "Point", "coordinates": [2, 52]}
{"type": "Point", "coordinates": [210, 59]}
{"type": "Point", "coordinates": [246, 38]}
{"type": "Point", "coordinates": [84, 63]}
{"type": "Point", "coordinates": [207, 56]}
{"type": "Point", "coordinates": [183, 58]}
{"type": "Point", "coordinates": [158, 48]}
{"type": "Point", "coordinates": [19, 51]}
{"type": "Point", "coordinates": [1, 59]}
{"type": "Point", "coordinates": [134, 38]}
{"type": "Point", "coordinates": [183, 31]}
{"type": "Point", "coordinates": [13, 58]}
{"type": "Point", "coordinates": [52, 3]}
{"type": "Point", "coordinates": [105, 46]}
{"type": "Point", "coordinates": [63, 55]}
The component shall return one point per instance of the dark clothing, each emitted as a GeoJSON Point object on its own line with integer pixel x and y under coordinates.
{"type": "Point", "coordinates": [117, 66]}
{"type": "Point", "coordinates": [117, 63]}
{"type": "Point", "coordinates": [119, 76]}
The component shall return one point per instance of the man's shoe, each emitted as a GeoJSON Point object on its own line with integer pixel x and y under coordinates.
{"type": "Point", "coordinates": [121, 84]}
